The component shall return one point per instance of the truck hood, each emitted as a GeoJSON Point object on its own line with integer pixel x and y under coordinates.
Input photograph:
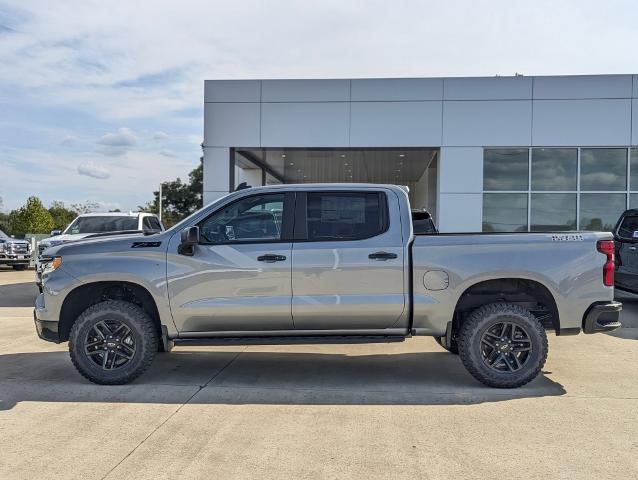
{"type": "Point", "coordinates": [109, 244]}
{"type": "Point", "coordinates": [58, 239]}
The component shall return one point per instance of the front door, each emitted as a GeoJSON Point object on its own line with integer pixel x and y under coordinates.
{"type": "Point", "coordinates": [239, 276]}
{"type": "Point", "coordinates": [348, 262]}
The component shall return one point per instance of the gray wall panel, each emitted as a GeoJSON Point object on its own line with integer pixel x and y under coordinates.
{"type": "Point", "coordinates": [581, 122]}
{"type": "Point", "coordinates": [635, 82]}
{"type": "Point", "coordinates": [461, 170]}
{"type": "Point", "coordinates": [480, 123]}
{"type": "Point", "coordinates": [388, 124]}
{"type": "Point", "coordinates": [634, 123]}
{"type": "Point", "coordinates": [588, 86]}
{"type": "Point", "coordinates": [305, 91]}
{"type": "Point", "coordinates": [231, 124]}
{"type": "Point", "coordinates": [232, 90]}
{"type": "Point", "coordinates": [305, 124]}
{"type": "Point", "coordinates": [397, 89]}
{"type": "Point", "coordinates": [488, 88]}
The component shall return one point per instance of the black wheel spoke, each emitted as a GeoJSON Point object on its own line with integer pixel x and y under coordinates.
{"type": "Point", "coordinates": [110, 344]}
{"type": "Point", "coordinates": [506, 347]}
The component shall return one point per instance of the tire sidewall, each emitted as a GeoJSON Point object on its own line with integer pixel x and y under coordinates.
{"type": "Point", "coordinates": [110, 311]}
{"type": "Point", "coordinates": [471, 348]}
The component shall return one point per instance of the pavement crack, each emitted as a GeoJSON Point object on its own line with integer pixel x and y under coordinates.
{"type": "Point", "coordinates": [199, 389]}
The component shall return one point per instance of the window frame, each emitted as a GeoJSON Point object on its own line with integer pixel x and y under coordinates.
{"type": "Point", "coordinates": [287, 220]}
{"type": "Point", "coordinates": [301, 215]}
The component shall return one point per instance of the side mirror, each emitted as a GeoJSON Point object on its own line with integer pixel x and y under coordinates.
{"type": "Point", "coordinates": [189, 238]}
{"type": "Point", "coordinates": [55, 233]}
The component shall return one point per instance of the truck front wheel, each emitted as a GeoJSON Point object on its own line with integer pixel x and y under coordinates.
{"type": "Point", "coordinates": [113, 342]}
{"type": "Point", "coordinates": [503, 345]}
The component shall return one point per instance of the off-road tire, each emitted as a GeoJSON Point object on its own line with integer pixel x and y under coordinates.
{"type": "Point", "coordinates": [454, 348]}
{"type": "Point", "coordinates": [142, 329]}
{"type": "Point", "coordinates": [19, 267]}
{"type": "Point", "coordinates": [486, 317]}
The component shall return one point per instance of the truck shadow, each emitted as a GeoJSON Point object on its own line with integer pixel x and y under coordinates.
{"type": "Point", "coordinates": [236, 377]}
{"type": "Point", "coordinates": [18, 294]}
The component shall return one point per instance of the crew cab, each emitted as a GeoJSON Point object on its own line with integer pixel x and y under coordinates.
{"type": "Point", "coordinates": [324, 263]}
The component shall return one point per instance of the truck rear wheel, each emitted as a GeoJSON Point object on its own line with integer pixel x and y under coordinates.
{"type": "Point", "coordinates": [503, 345]}
{"type": "Point", "coordinates": [113, 342]}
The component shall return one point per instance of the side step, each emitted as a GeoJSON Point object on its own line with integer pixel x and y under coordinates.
{"type": "Point", "coordinates": [289, 340]}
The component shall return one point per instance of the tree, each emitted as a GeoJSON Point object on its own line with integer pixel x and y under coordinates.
{"type": "Point", "coordinates": [31, 218]}
{"type": "Point", "coordinates": [88, 207]}
{"type": "Point", "coordinates": [179, 199]}
{"type": "Point", "coordinates": [62, 216]}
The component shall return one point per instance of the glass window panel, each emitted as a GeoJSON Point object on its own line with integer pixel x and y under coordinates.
{"type": "Point", "coordinates": [553, 212]}
{"type": "Point", "coordinates": [603, 168]}
{"type": "Point", "coordinates": [634, 169]}
{"type": "Point", "coordinates": [633, 200]}
{"type": "Point", "coordinates": [554, 168]}
{"type": "Point", "coordinates": [505, 212]}
{"type": "Point", "coordinates": [505, 169]}
{"type": "Point", "coordinates": [601, 211]}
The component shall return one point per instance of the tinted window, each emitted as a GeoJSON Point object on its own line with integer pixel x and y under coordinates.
{"type": "Point", "coordinates": [628, 226]}
{"type": "Point", "coordinates": [600, 211]}
{"type": "Point", "coordinates": [101, 224]}
{"type": "Point", "coordinates": [553, 212]}
{"type": "Point", "coordinates": [345, 216]}
{"type": "Point", "coordinates": [603, 169]}
{"type": "Point", "coordinates": [554, 168]}
{"type": "Point", "coordinates": [505, 169]}
{"type": "Point", "coordinates": [151, 223]}
{"type": "Point", "coordinates": [256, 219]}
{"type": "Point", "coordinates": [634, 168]}
{"type": "Point", "coordinates": [505, 212]}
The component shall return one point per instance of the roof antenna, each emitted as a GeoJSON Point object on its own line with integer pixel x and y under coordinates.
{"type": "Point", "coordinates": [242, 186]}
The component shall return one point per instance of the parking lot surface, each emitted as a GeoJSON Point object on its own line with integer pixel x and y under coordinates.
{"type": "Point", "coordinates": [407, 410]}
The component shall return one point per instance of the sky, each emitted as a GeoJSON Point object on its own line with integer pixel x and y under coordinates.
{"type": "Point", "coordinates": [100, 101]}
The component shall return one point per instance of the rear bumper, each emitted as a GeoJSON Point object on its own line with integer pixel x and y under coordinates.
{"type": "Point", "coordinates": [602, 317]}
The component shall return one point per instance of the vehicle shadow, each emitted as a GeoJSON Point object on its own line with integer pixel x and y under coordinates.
{"type": "Point", "coordinates": [237, 377]}
{"type": "Point", "coordinates": [18, 294]}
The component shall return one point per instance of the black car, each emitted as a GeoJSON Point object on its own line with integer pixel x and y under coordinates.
{"type": "Point", "coordinates": [626, 239]}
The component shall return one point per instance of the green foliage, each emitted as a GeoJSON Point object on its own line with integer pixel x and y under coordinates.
{"type": "Point", "coordinates": [31, 218]}
{"type": "Point", "coordinates": [179, 199]}
{"type": "Point", "coordinates": [62, 216]}
{"type": "Point", "coordinates": [4, 223]}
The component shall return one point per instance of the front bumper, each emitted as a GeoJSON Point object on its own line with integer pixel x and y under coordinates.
{"type": "Point", "coordinates": [602, 317]}
{"type": "Point", "coordinates": [46, 329]}
{"type": "Point", "coordinates": [15, 258]}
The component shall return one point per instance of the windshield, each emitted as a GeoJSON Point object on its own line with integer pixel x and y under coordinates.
{"type": "Point", "coordinates": [101, 224]}
{"type": "Point", "coordinates": [4, 235]}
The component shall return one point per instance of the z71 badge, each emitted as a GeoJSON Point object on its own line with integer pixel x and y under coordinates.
{"type": "Point", "coordinates": [568, 237]}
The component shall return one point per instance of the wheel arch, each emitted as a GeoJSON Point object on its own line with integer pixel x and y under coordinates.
{"type": "Point", "coordinates": [521, 291]}
{"type": "Point", "coordinates": [85, 295]}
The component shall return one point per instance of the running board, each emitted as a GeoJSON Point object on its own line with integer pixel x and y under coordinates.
{"type": "Point", "coordinates": [289, 340]}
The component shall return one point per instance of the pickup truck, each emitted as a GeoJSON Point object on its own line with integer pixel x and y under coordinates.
{"type": "Point", "coordinates": [16, 253]}
{"type": "Point", "coordinates": [626, 238]}
{"type": "Point", "coordinates": [323, 263]}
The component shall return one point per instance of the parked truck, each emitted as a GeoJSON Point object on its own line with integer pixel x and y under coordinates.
{"type": "Point", "coordinates": [13, 252]}
{"type": "Point", "coordinates": [324, 263]}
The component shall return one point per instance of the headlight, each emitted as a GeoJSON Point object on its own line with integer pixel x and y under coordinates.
{"type": "Point", "coordinates": [49, 264]}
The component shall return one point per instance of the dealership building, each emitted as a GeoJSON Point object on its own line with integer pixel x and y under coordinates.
{"type": "Point", "coordinates": [480, 153]}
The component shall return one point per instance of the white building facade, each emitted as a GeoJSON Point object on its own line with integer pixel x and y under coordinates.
{"type": "Point", "coordinates": [481, 154]}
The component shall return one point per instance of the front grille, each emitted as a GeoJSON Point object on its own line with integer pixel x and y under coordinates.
{"type": "Point", "coordinates": [19, 248]}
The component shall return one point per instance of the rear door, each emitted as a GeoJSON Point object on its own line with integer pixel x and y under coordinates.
{"type": "Point", "coordinates": [348, 261]}
{"type": "Point", "coordinates": [627, 248]}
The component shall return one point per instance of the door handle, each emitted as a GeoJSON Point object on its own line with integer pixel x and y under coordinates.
{"type": "Point", "coordinates": [382, 256]}
{"type": "Point", "coordinates": [270, 258]}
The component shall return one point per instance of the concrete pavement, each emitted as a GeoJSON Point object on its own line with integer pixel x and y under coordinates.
{"type": "Point", "coordinates": [406, 410]}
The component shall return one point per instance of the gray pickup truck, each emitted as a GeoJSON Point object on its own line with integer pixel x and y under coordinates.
{"type": "Point", "coordinates": [324, 263]}
{"type": "Point", "coordinates": [16, 253]}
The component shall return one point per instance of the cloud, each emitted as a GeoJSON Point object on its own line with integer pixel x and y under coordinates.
{"type": "Point", "coordinates": [69, 141]}
{"type": "Point", "coordinates": [168, 153]}
{"type": "Point", "coordinates": [93, 169]}
{"type": "Point", "coordinates": [160, 136]}
{"type": "Point", "coordinates": [124, 137]}
{"type": "Point", "coordinates": [118, 143]}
